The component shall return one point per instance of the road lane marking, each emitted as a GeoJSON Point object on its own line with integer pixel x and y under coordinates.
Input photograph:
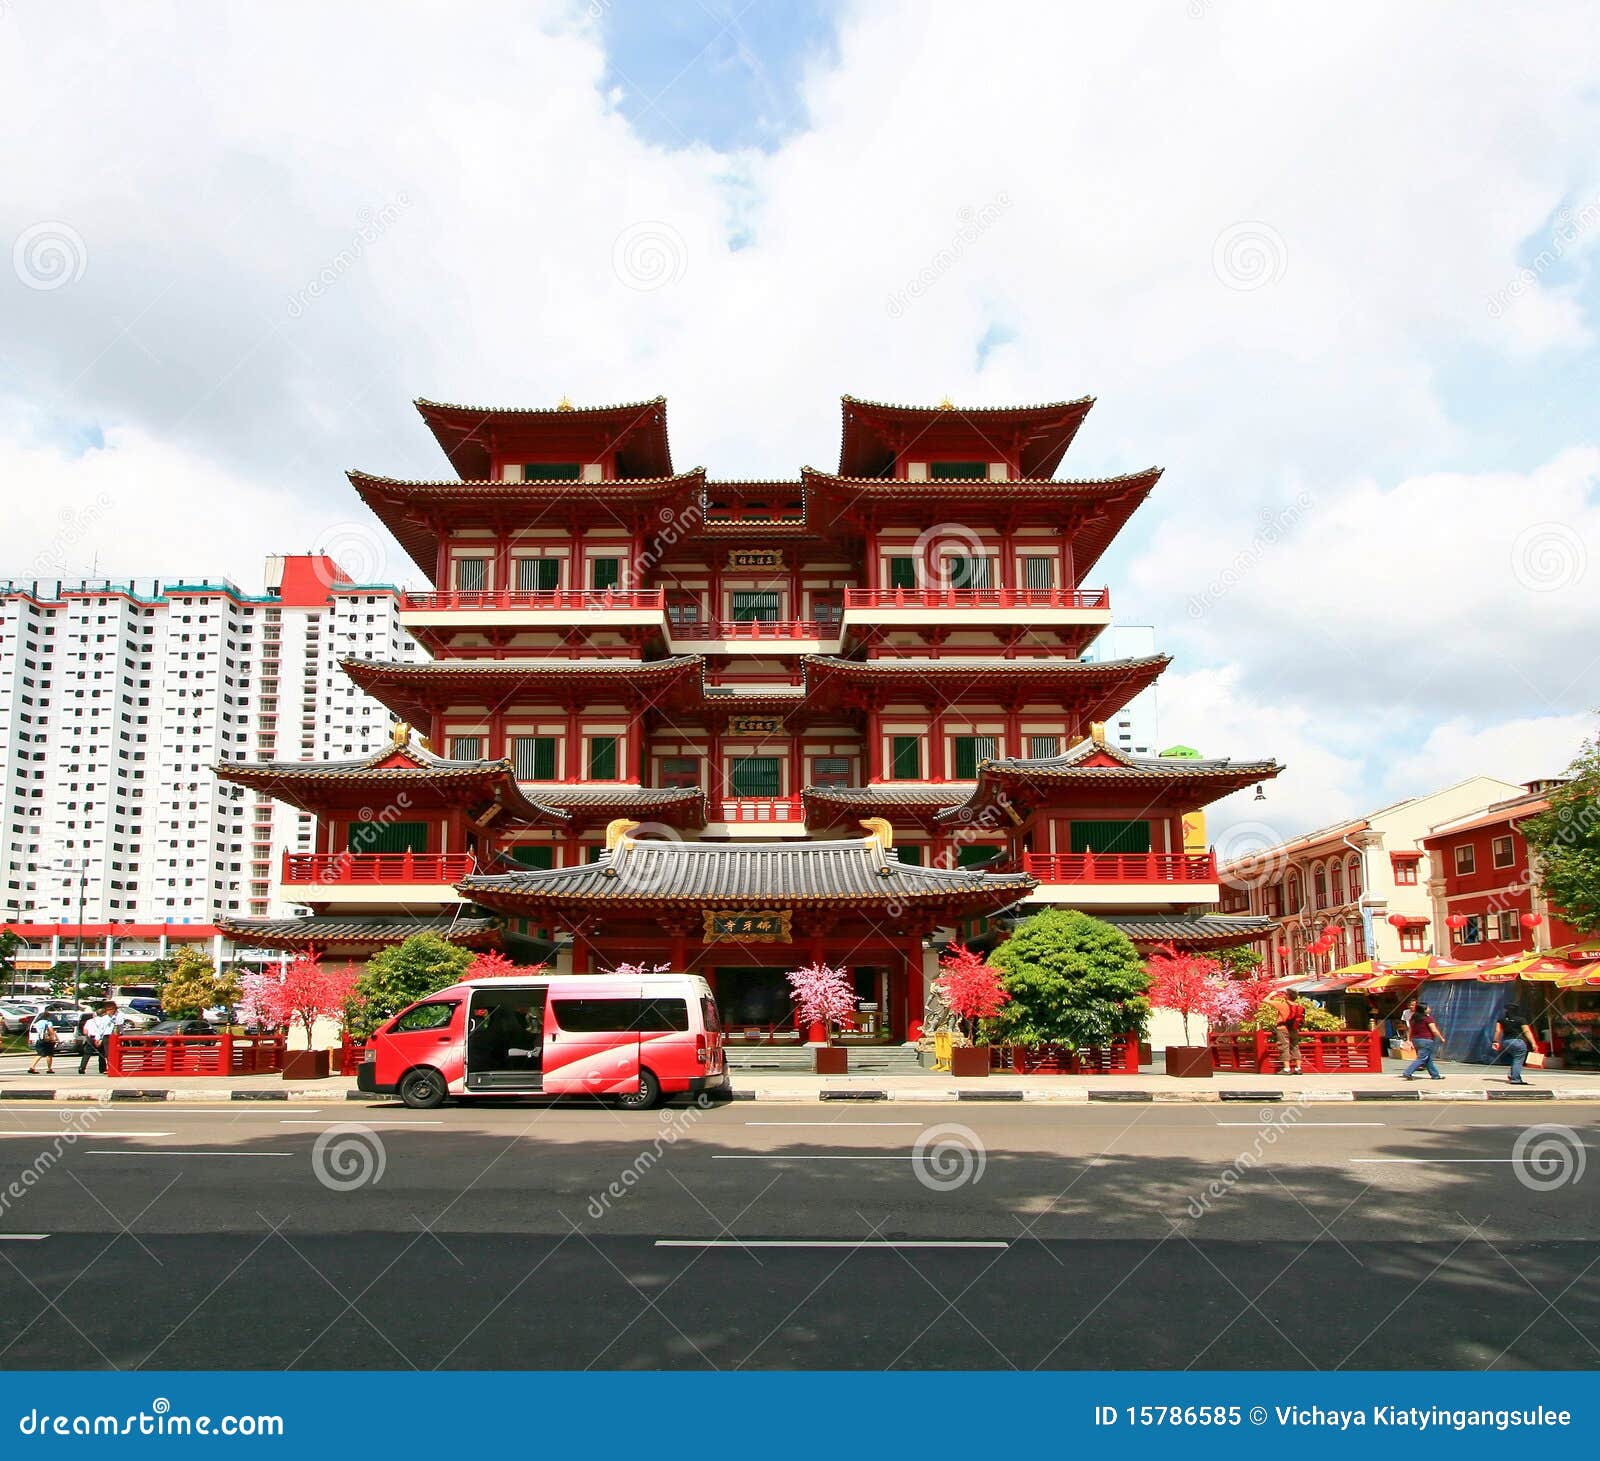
{"type": "Point", "coordinates": [345, 1121]}
{"type": "Point", "coordinates": [190, 1152]}
{"type": "Point", "coordinates": [1302, 1123]}
{"type": "Point", "coordinates": [826, 1243]}
{"type": "Point", "coordinates": [23, 1237]}
{"type": "Point", "coordinates": [833, 1124]}
{"type": "Point", "coordinates": [86, 1135]}
{"type": "Point", "coordinates": [1436, 1161]}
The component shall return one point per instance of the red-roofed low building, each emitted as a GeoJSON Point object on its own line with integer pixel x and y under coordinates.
{"type": "Point", "coordinates": [1481, 875]}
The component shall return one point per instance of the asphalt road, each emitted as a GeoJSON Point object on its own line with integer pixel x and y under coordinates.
{"type": "Point", "coordinates": [853, 1236]}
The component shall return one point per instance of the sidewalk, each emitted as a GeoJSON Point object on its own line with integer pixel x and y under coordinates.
{"type": "Point", "coordinates": [1462, 1083]}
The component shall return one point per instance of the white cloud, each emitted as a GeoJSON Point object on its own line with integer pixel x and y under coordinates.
{"type": "Point", "coordinates": [1528, 748]}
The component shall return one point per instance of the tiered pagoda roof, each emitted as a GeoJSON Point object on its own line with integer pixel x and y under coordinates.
{"type": "Point", "coordinates": [1038, 436]}
{"type": "Point", "coordinates": [636, 430]}
{"type": "Point", "coordinates": [1091, 765]}
{"type": "Point", "coordinates": [424, 778]}
{"type": "Point", "coordinates": [642, 874]}
{"type": "Point", "coordinates": [829, 806]}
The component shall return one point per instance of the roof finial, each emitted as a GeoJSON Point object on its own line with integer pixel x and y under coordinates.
{"type": "Point", "coordinates": [565, 404]}
{"type": "Point", "coordinates": [1097, 732]}
{"type": "Point", "coordinates": [616, 830]}
{"type": "Point", "coordinates": [400, 732]}
{"type": "Point", "coordinates": [946, 404]}
{"type": "Point", "coordinates": [879, 830]}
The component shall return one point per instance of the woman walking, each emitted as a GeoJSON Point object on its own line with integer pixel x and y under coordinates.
{"type": "Point", "coordinates": [42, 1036]}
{"type": "Point", "coordinates": [1427, 1037]}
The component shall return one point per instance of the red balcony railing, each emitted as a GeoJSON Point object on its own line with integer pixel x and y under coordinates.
{"type": "Point", "coordinates": [1121, 867]}
{"type": "Point", "coordinates": [968, 598]}
{"type": "Point", "coordinates": [585, 599]}
{"type": "Point", "coordinates": [345, 868]}
{"type": "Point", "coordinates": [757, 629]}
{"type": "Point", "coordinates": [762, 809]}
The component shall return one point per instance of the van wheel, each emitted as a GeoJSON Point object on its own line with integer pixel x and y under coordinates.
{"type": "Point", "coordinates": [646, 1096]}
{"type": "Point", "coordinates": [422, 1090]}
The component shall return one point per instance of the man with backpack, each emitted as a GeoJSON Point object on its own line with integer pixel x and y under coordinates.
{"type": "Point", "coordinates": [1291, 1017]}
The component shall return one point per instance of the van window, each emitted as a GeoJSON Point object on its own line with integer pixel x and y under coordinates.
{"type": "Point", "coordinates": [592, 1016]}
{"type": "Point", "coordinates": [708, 1014]}
{"type": "Point", "coordinates": [434, 1016]}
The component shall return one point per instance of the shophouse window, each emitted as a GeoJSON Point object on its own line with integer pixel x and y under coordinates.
{"type": "Point", "coordinates": [1503, 852]}
{"type": "Point", "coordinates": [1411, 939]}
{"type": "Point", "coordinates": [1319, 887]}
{"type": "Point", "coordinates": [602, 758]}
{"type": "Point", "coordinates": [970, 750]}
{"type": "Point", "coordinates": [1405, 871]}
{"type": "Point", "coordinates": [533, 758]}
{"type": "Point", "coordinates": [1466, 859]}
{"type": "Point", "coordinates": [906, 757]}
{"type": "Point", "coordinates": [1470, 932]}
{"type": "Point", "coordinates": [1507, 928]}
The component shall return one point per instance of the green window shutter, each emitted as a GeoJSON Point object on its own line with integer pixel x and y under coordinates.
{"type": "Point", "coordinates": [969, 751]}
{"type": "Point", "coordinates": [603, 758]}
{"type": "Point", "coordinates": [534, 758]}
{"type": "Point", "coordinates": [388, 837]}
{"type": "Point", "coordinates": [906, 760]}
{"type": "Point", "coordinates": [551, 471]}
{"type": "Point", "coordinates": [758, 606]}
{"type": "Point", "coordinates": [902, 573]}
{"type": "Point", "coordinates": [594, 853]}
{"type": "Point", "coordinates": [605, 572]}
{"type": "Point", "coordinates": [754, 776]}
{"type": "Point", "coordinates": [973, 854]}
{"type": "Point", "coordinates": [958, 470]}
{"type": "Point", "coordinates": [533, 854]}
{"type": "Point", "coordinates": [1101, 836]}
{"type": "Point", "coordinates": [970, 573]}
{"type": "Point", "coordinates": [538, 575]}
{"type": "Point", "coordinates": [911, 853]}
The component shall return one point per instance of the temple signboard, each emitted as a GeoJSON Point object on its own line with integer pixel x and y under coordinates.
{"type": "Point", "coordinates": [747, 925]}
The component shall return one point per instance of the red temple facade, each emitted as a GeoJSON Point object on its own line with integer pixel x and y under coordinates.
{"type": "Point", "coordinates": [741, 725]}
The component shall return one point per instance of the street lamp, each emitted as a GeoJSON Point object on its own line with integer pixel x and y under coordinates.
{"type": "Point", "coordinates": [82, 870]}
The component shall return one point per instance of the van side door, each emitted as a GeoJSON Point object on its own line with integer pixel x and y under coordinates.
{"type": "Point", "coordinates": [591, 1038]}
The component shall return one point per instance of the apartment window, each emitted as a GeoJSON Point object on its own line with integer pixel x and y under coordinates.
{"type": "Point", "coordinates": [538, 575]}
{"type": "Point", "coordinates": [680, 771]}
{"type": "Point", "coordinates": [1038, 572]}
{"type": "Point", "coordinates": [905, 760]}
{"type": "Point", "coordinates": [1466, 861]}
{"type": "Point", "coordinates": [830, 771]}
{"type": "Point", "coordinates": [958, 471]}
{"type": "Point", "coordinates": [1111, 836]}
{"type": "Point", "coordinates": [533, 758]}
{"type": "Point", "coordinates": [551, 471]}
{"type": "Point", "coordinates": [754, 776]}
{"type": "Point", "coordinates": [1042, 747]}
{"type": "Point", "coordinates": [605, 573]}
{"type": "Point", "coordinates": [756, 606]}
{"type": "Point", "coordinates": [902, 573]}
{"type": "Point", "coordinates": [970, 750]}
{"type": "Point", "coordinates": [1502, 851]}
{"type": "Point", "coordinates": [602, 758]}
{"type": "Point", "coordinates": [466, 748]}
{"type": "Point", "coordinates": [472, 574]}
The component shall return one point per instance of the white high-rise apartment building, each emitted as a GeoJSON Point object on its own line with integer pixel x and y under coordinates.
{"type": "Point", "coordinates": [118, 698]}
{"type": "Point", "coordinates": [1135, 727]}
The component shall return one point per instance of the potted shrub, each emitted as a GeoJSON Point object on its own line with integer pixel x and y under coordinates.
{"type": "Point", "coordinates": [823, 998]}
{"type": "Point", "coordinates": [1192, 986]}
{"type": "Point", "coordinates": [973, 991]}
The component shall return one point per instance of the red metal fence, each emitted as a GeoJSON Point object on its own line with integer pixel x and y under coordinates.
{"type": "Point", "coordinates": [966, 598]}
{"type": "Point", "coordinates": [759, 629]}
{"type": "Point", "coordinates": [302, 868]}
{"type": "Point", "coordinates": [1121, 867]}
{"type": "Point", "coordinates": [219, 1054]}
{"type": "Point", "coordinates": [1320, 1050]}
{"type": "Point", "coordinates": [555, 598]}
{"type": "Point", "coordinates": [1122, 1058]}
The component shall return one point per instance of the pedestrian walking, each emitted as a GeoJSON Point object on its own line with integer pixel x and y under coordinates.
{"type": "Point", "coordinates": [1291, 1016]}
{"type": "Point", "coordinates": [1514, 1037]}
{"type": "Point", "coordinates": [97, 1032]}
{"type": "Point", "coordinates": [1426, 1038]}
{"type": "Point", "coordinates": [42, 1036]}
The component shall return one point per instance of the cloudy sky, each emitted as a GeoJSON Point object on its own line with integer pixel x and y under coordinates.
{"type": "Point", "coordinates": [1332, 267]}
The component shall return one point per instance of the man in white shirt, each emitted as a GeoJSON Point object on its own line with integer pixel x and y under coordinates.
{"type": "Point", "coordinates": [97, 1033]}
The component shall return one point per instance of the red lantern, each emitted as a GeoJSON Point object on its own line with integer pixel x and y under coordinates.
{"type": "Point", "coordinates": [1399, 920]}
{"type": "Point", "coordinates": [1283, 950]}
{"type": "Point", "coordinates": [1457, 920]}
{"type": "Point", "coordinates": [1531, 920]}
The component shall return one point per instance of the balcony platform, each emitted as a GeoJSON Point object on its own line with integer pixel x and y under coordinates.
{"type": "Point", "coordinates": [1122, 879]}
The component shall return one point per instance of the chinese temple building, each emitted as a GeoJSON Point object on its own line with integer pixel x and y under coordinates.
{"type": "Point", "coordinates": [736, 726]}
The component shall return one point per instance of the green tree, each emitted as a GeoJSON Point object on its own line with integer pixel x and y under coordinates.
{"type": "Point", "coordinates": [192, 987]}
{"type": "Point", "coordinates": [9, 944]}
{"type": "Point", "coordinates": [1073, 981]}
{"type": "Point", "coordinates": [398, 976]}
{"type": "Point", "coordinates": [1566, 843]}
{"type": "Point", "coordinates": [1241, 961]}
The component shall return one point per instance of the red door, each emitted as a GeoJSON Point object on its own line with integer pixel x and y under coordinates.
{"type": "Point", "coordinates": [426, 1034]}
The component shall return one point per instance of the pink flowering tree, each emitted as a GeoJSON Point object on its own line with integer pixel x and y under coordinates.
{"type": "Point", "coordinates": [970, 986]}
{"type": "Point", "coordinates": [822, 997]}
{"type": "Point", "coordinates": [1190, 985]}
{"type": "Point", "coordinates": [494, 965]}
{"type": "Point", "coordinates": [302, 992]}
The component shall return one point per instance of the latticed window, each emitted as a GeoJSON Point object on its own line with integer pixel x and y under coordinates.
{"type": "Point", "coordinates": [602, 758]}
{"type": "Point", "coordinates": [533, 758]}
{"type": "Point", "coordinates": [906, 758]}
{"type": "Point", "coordinates": [472, 574]}
{"type": "Point", "coordinates": [754, 776]}
{"type": "Point", "coordinates": [1042, 747]}
{"type": "Point", "coordinates": [755, 606]}
{"type": "Point", "coordinates": [1110, 836]}
{"type": "Point", "coordinates": [466, 748]}
{"type": "Point", "coordinates": [1038, 572]}
{"type": "Point", "coordinates": [972, 749]}
{"type": "Point", "coordinates": [538, 575]}
{"type": "Point", "coordinates": [830, 771]}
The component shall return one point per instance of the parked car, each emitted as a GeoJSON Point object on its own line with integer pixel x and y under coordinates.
{"type": "Point", "coordinates": [15, 1018]}
{"type": "Point", "coordinates": [69, 1027]}
{"type": "Point", "coordinates": [180, 1027]}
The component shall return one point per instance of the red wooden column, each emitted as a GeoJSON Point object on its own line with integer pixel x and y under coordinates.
{"type": "Point", "coordinates": [913, 1020]}
{"type": "Point", "coordinates": [874, 746]}
{"type": "Point", "coordinates": [573, 770]}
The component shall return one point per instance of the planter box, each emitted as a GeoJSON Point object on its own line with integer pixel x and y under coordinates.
{"type": "Point", "coordinates": [1189, 1060]}
{"type": "Point", "coordinates": [307, 1065]}
{"type": "Point", "coordinates": [969, 1060]}
{"type": "Point", "coordinates": [833, 1060]}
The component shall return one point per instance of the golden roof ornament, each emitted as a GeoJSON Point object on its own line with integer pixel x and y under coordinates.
{"type": "Point", "coordinates": [565, 404]}
{"type": "Point", "coordinates": [879, 829]}
{"type": "Point", "coordinates": [400, 733]}
{"type": "Point", "coordinates": [946, 404]}
{"type": "Point", "coordinates": [1097, 732]}
{"type": "Point", "coordinates": [618, 829]}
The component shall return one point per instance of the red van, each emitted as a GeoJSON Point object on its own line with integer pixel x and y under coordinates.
{"type": "Point", "coordinates": [633, 1037]}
